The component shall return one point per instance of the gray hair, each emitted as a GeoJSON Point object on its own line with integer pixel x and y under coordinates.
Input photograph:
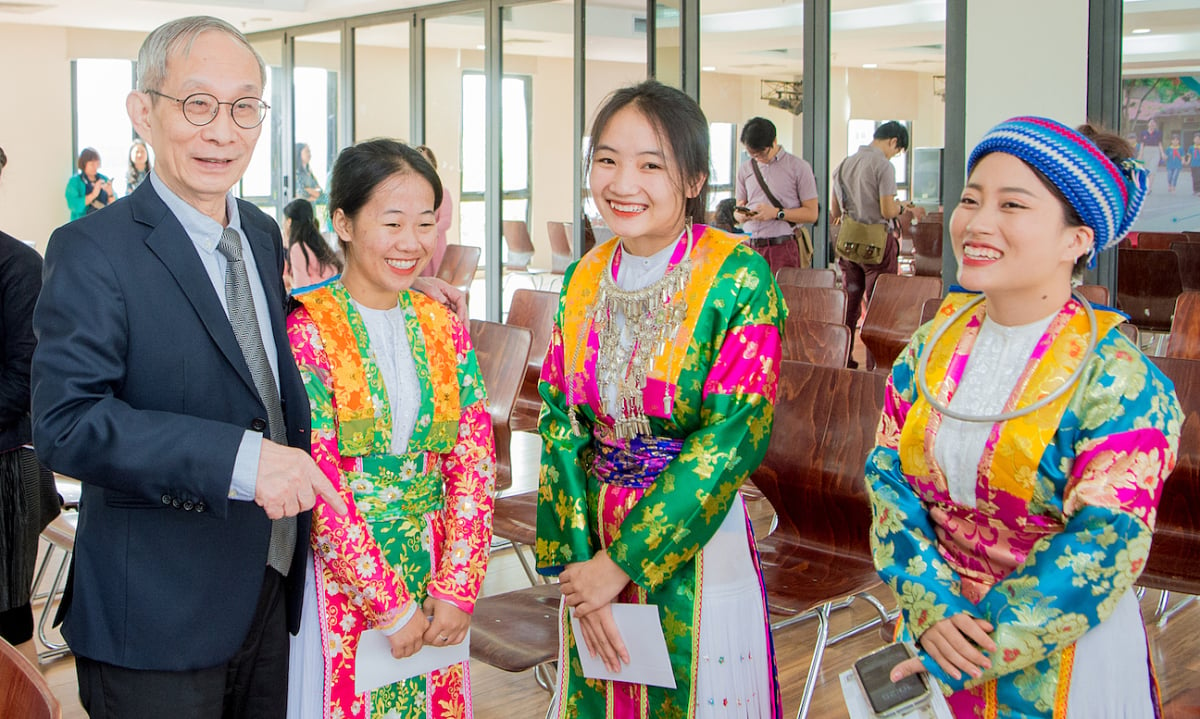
{"type": "Point", "coordinates": [179, 35]}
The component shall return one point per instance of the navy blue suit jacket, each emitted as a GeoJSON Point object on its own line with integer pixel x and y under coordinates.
{"type": "Point", "coordinates": [141, 392]}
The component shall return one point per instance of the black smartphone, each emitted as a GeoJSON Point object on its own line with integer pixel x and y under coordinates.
{"type": "Point", "coordinates": [874, 676]}
{"type": "Point", "coordinates": [744, 210]}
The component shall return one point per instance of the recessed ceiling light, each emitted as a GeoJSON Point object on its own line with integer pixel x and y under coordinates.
{"type": "Point", "coordinates": [709, 68]}
{"type": "Point", "coordinates": [870, 65]}
{"type": "Point", "coordinates": [1141, 31]}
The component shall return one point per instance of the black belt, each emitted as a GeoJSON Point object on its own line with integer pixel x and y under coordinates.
{"type": "Point", "coordinates": [771, 241]}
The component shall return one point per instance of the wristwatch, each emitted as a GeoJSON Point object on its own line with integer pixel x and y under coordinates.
{"type": "Point", "coordinates": [779, 216]}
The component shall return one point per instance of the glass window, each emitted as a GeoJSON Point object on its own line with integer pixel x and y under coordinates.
{"type": "Point", "coordinates": [1160, 100]}
{"type": "Point", "coordinates": [723, 152]}
{"type": "Point", "coordinates": [263, 182]}
{"type": "Point", "coordinates": [315, 117]}
{"type": "Point", "coordinates": [381, 82]}
{"type": "Point", "coordinates": [101, 120]}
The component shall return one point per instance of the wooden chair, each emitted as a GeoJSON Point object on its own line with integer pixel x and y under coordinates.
{"type": "Point", "coordinates": [503, 353]}
{"type": "Point", "coordinates": [894, 313]}
{"type": "Point", "coordinates": [1184, 342]}
{"type": "Point", "coordinates": [24, 692]}
{"type": "Point", "coordinates": [806, 277]}
{"type": "Point", "coordinates": [819, 552]}
{"type": "Point", "coordinates": [929, 308]}
{"type": "Point", "coordinates": [1189, 264]}
{"type": "Point", "coordinates": [1157, 240]}
{"type": "Point", "coordinates": [459, 265]}
{"type": "Point", "coordinates": [518, 630]}
{"type": "Point", "coordinates": [822, 304]}
{"type": "Point", "coordinates": [927, 249]}
{"type": "Point", "coordinates": [822, 343]}
{"type": "Point", "coordinates": [1174, 562]}
{"type": "Point", "coordinates": [520, 247]}
{"type": "Point", "coordinates": [1191, 236]}
{"type": "Point", "coordinates": [1148, 284]}
{"type": "Point", "coordinates": [1095, 294]}
{"type": "Point", "coordinates": [533, 310]}
{"type": "Point", "coordinates": [561, 253]}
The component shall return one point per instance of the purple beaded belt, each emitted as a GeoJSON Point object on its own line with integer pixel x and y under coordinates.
{"type": "Point", "coordinates": [634, 464]}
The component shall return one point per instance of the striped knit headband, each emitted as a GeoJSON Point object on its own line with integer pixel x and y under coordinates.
{"type": "Point", "coordinates": [1107, 197]}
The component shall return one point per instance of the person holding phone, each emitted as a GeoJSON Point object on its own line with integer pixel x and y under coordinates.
{"type": "Point", "coordinates": [1024, 443]}
{"type": "Point", "coordinates": [658, 392]}
{"type": "Point", "coordinates": [89, 190]}
{"type": "Point", "coordinates": [776, 192]}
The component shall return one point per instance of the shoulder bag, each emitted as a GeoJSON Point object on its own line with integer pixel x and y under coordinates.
{"type": "Point", "coordinates": [858, 242]}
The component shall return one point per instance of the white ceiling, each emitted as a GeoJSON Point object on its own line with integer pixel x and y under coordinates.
{"type": "Point", "coordinates": [739, 36]}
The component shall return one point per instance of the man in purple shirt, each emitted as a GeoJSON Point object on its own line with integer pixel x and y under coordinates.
{"type": "Point", "coordinates": [789, 197]}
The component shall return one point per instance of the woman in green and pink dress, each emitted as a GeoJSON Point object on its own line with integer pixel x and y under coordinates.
{"type": "Point", "coordinates": [659, 387]}
{"type": "Point", "coordinates": [401, 428]}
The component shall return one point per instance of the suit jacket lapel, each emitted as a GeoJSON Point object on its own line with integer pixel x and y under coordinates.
{"type": "Point", "coordinates": [169, 241]}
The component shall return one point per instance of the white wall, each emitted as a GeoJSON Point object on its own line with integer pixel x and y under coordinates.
{"type": "Point", "coordinates": [1025, 57]}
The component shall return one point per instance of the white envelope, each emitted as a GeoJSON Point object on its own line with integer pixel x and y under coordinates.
{"type": "Point", "coordinates": [374, 665]}
{"type": "Point", "coordinates": [642, 633]}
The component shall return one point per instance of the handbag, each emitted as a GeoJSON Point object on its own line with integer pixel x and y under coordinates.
{"type": "Point", "coordinates": [803, 239]}
{"type": "Point", "coordinates": [859, 242]}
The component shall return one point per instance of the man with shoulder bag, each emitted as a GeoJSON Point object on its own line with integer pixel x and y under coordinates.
{"type": "Point", "coordinates": [776, 196]}
{"type": "Point", "coordinates": [863, 206]}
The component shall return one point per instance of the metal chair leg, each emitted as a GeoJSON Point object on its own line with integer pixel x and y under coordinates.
{"type": "Point", "coordinates": [1162, 622]}
{"type": "Point", "coordinates": [53, 649]}
{"type": "Point", "coordinates": [883, 617]}
{"type": "Point", "coordinates": [814, 667]}
{"type": "Point", "coordinates": [1163, 600]}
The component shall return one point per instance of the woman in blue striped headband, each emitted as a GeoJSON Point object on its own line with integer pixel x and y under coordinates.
{"type": "Point", "coordinates": [1023, 445]}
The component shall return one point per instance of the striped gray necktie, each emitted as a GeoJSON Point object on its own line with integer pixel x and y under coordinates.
{"type": "Point", "coordinates": [245, 327]}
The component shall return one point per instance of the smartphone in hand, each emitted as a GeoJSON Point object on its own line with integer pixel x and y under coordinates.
{"type": "Point", "coordinates": [744, 210]}
{"type": "Point", "coordinates": [889, 698]}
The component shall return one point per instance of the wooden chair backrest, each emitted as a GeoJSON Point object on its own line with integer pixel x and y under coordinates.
{"type": "Point", "coordinates": [819, 343]}
{"type": "Point", "coordinates": [823, 304]}
{"type": "Point", "coordinates": [806, 277]}
{"type": "Point", "coordinates": [534, 310]}
{"type": "Point", "coordinates": [502, 352]}
{"type": "Point", "coordinates": [1148, 284]}
{"type": "Point", "coordinates": [1189, 264]}
{"type": "Point", "coordinates": [24, 692]}
{"type": "Point", "coordinates": [1174, 562]}
{"type": "Point", "coordinates": [1184, 342]}
{"type": "Point", "coordinates": [1157, 240]}
{"type": "Point", "coordinates": [1096, 294]}
{"type": "Point", "coordinates": [927, 249]}
{"type": "Point", "coordinates": [520, 247]}
{"type": "Point", "coordinates": [929, 308]}
{"type": "Point", "coordinates": [561, 253]}
{"type": "Point", "coordinates": [895, 313]}
{"type": "Point", "coordinates": [813, 472]}
{"type": "Point", "coordinates": [459, 265]}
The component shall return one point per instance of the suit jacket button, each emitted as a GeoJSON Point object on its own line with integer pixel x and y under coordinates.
{"type": "Point", "coordinates": [166, 499]}
{"type": "Point", "coordinates": [258, 424]}
{"type": "Point", "coordinates": [200, 507]}
{"type": "Point", "coordinates": [188, 506]}
{"type": "Point", "coordinates": [176, 503]}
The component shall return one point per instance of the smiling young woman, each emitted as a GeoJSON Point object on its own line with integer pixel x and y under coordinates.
{"type": "Point", "coordinates": [658, 388]}
{"type": "Point", "coordinates": [1024, 443]}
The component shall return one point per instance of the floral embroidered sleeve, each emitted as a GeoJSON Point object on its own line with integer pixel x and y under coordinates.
{"type": "Point", "coordinates": [562, 520]}
{"type": "Point", "coordinates": [670, 524]}
{"type": "Point", "coordinates": [1117, 444]}
{"type": "Point", "coordinates": [344, 543]}
{"type": "Point", "coordinates": [926, 587]}
{"type": "Point", "coordinates": [469, 474]}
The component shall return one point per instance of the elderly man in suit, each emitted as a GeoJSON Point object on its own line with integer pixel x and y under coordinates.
{"type": "Point", "coordinates": [164, 381]}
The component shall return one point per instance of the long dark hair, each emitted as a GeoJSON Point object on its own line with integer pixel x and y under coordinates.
{"type": "Point", "coordinates": [679, 123]}
{"type": "Point", "coordinates": [303, 231]}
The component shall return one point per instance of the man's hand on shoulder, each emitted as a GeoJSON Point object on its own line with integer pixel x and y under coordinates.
{"type": "Point", "coordinates": [289, 482]}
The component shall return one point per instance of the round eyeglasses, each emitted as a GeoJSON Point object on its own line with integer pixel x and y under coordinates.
{"type": "Point", "coordinates": [201, 108]}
